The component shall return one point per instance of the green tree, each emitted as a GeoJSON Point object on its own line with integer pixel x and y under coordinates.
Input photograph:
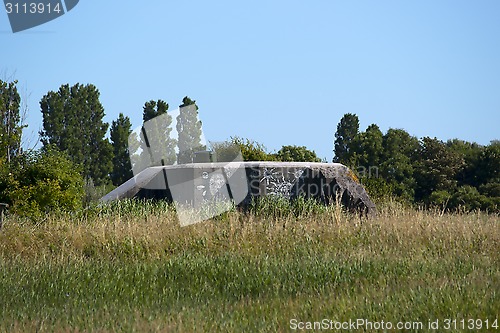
{"type": "Point", "coordinates": [188, 130]}
{"type": "Point", "coordinates": [488, 175]}
{"type": "Point", "coordinates": [252, 150]}
{"type": "Point", "coordinates": [296, 154]}
{"type": "Point", "coordinates": [400, 141]}
{"type": "Point", "coordinates": [10, 120]}
{"type": "Point", "coordinates": [347, 129]}
{"type": "Point", "coordinates": [436, 168]}
{"type": "Point", "coordinates": [396, 164]}
{"type": "Point", "coordinates": [367, 148]}
{"type": "Point", "coordinates": [39, 182]}
{"type": "Point", "coordinates": [488, 168]}
{"type": "Point", "coordinates": [158, 126]}
{"type": "Point", "coordinates": [226, 151]}
{"type": "Point", "coordinates": [73, 122]}
{"type": "Point", "coordinates": [153, 109]}
{"type": "Point", "coordinates": [471, 153]}
{"type": "Point", "coordinates": [120, 132]}
{"type": "Point", "coordinates": [467, 198]}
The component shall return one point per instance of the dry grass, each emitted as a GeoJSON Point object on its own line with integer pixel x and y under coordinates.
{"type": "Point", "coordinates": [132, 267]}
{"type": "Point", "coordinates": [157, 234]}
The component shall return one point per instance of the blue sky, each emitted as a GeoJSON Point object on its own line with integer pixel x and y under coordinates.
{"type": "Point", "coordinates": [278, 72]}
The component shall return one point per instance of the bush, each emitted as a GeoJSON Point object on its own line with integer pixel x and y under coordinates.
{"type": "Point", "coordinates": [440, 198]}
{"type": "Point", "coordinates": [377, 188]}
{"type": "Point", "coordinates": [252, 150]}
{"type": "Point", "coordinates": [490, 189]}
{"type": "Point", "coordinates": [296, 154]}
{"type": "Point", "coordinates": [465, 199]}
{"type": "Point", "coordinates": [38, 182]}
{"type": "Point", "coordinates": [226, 151]}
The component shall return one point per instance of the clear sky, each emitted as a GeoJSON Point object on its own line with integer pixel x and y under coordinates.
{"type": "Point", "coordinates": [278, 72]}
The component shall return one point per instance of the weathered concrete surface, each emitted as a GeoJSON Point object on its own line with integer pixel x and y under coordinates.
{"type": "Point", "coordinates": [326, 182]}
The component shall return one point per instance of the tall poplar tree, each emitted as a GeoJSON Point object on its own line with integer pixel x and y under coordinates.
{"type": "Point", "coordinates": [10, 120]}
{"type": "Point", "coordinates": [122, 168]}
{"type": "Point", "coordinates": [189, 131]}
{"type": "Point", "coordinates": [73, 122]}
{"type": "Point", "coordinates": [158, 129]}
{"type": "Point", "coordinates": [347, 129]}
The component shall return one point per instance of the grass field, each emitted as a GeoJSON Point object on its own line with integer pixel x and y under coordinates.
{"type": "Point", "coordinates": [131, 267]}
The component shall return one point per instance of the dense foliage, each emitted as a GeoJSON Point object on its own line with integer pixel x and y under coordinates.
{"type": "Point", "coordinates": [122, 168]}
{"type": "Point", "coordinates": [347, 130]}
{"type": "Point", "coordinates": [158, 124]}
{"type": "Point", "coordinates": [451, 175]}
{"type": "Point", "coordinates": [252, 150]}
{"type": "Point", "coordinates": [296, 154]}
{"type": "Point", "coordinates": [188, 130]}
{"type": "Point", "coordinates": [255, 151]}
{"type": "Point", "coordinates": [428, 172]}
{"type": "Point", "coordinates": [73, 122]}
{"type": "Point", "coordinates": [10, 120]}
{"type": "Point", "coordinates": [39, 182]}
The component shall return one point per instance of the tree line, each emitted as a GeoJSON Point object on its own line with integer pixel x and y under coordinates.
{"type": "Point", "coordinates": [452, 175]}
{"type": "Point", "coordinates": [73, 123]}
{"type": "Point", "coordinates": [77, 156]}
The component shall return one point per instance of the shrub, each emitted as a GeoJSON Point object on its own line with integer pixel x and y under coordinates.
{"type": "Point", "coordinates": [377, 188]}
{"type": "Point", "coordinates": [439, 198]}
{"type": "Point", "coordinates": [41, 181]}
{"type": "Point", "coordinates": [296, 154]}
{"type": "Point", "coordinates": [252, 150]}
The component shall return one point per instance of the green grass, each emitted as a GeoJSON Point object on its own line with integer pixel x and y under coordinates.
{"type": "Point", "coordinates": [131, 267]}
